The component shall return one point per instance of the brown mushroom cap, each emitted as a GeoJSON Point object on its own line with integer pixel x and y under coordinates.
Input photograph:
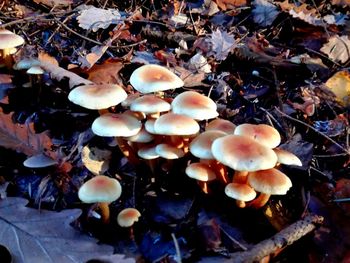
{"type": "Point", "coordinates": [242, 153]}
{"type": "Point", "coordinates": [175, 124]}
{"type": "Point", "coordinates": [221, 125]}
{"type": "Point", "coordinates": [116, 125]}
{"type": "Point", "coordinates": [97, 97]}
{"type": "Point", "coordinates": [153, 78]}
{"type": "Point", "coordinates": [194, 105]}
{"type": "Point", "coordinates": [168, 151]}
{"type": "Point", "coordinates": [201, 145]}
{"type": "Point", "coordinates": [200, 172]}
{"type": "Point", "coordinates": [9, 39]}
{"type": "Point", "coordinates": [100, 189]}
{"type": "Point", "coordinates": [128, 216]}
{"type": "Point", "coordinates": [270, 181]}
{"type": "Point", "coordinates": [149, 104]}
{"type": "Point", "coordinates": [241, 192]}
{"type": "Point", "coordinates": [287, 158]}
{"type": "Point", "coordinates": [262, 133]}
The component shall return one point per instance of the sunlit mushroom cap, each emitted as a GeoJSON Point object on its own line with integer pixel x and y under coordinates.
{"type": "Point", "coordinates": [131, 97]}
{"type": "Point", "coordinates": [100, 189]}
{"type": "Point", "coordinates": [194, 105]}
{"type": "Point", "coordinates": [128, 216]}
{"type": "Point", "coordinates": [201, 145]}
{"type": "Point", "coordinates": [148, 152]}
{"type": "Point", "coordinates": [153, 78]}
{"type": "Point", "coordinates": [242, 192]}
{"type": "Point", "coordinates": [175, 124]}
{"type": "Point", "coordinates": [288, 158]}
{"type": "Point", "coordinates": [142, 136]}
{"type": "Point", "coordinates": [9, 39]}
{"type": "Point", "coordinates": [149, 126]}
{"type": "Point", "coordinates": [262, 133]}
{"type": "Point", "coordinates": [26, 63]}
{"type": "Point", "coordinates": [35, 70]}
{"type": "Point", "coordinates": [270, 181]}
{"type": "Point", "coordinates": [39, 161]}
{"type": "Point", "coordinates": [221, 125]}
{"type": "Point", "coordinates": [116, 125]}
{"type": "Point", "coordinates": [150, 104]}
{"type": "Point", "coordinates": [200, 172]}
{"type": "Point", "coordinates": [242, 153]}
{"type": "Point", "coordinates": [96, 97]}
{"type": "Point", "coordinates": [168, 151]}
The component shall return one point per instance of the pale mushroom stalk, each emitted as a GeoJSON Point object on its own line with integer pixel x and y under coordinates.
{"type": "Point", "coordinates": [240, 177]}
{"type": "Point", "coordinates": [260, 201]}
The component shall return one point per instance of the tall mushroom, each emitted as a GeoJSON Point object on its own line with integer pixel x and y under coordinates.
{"type": "Point", "coordinates": [8, 40]}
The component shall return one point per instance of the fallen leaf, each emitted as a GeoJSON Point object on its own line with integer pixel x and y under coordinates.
{"type": "Point", "coordinates": [95, 160]}
{"type": "Point", "coordinates": [264, 12]}
{"type": "Point", "coordinates": [108, 72]}
{"type": "Point", "coordinates": [22, 137]}
{"type": "Point", "coordinates": [199, 62]}
{"type": "Point", "coordinates": [229, 4]}
{"type": "Point", "coordinates": [342, 3]}
{"type": "Point", "coordinates": [190, 79]}
{"type": "Point", "coordinates": [337, 48]}
{"type": "Point", "coordinates": [44, 236]}
{"type": "Point", "coordinates": [93, 18]}
{"type": "Point", "coordinates": [339, 84]}
{"type": "Point", "coordinates": [222, 44]}
{"type": "Point", "coordinates": [56, 3]}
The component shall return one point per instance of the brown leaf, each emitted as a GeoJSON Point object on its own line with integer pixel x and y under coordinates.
{"type": "Point", "coordinates": [230, 4]}
{"type": "Point", "coordinates": [108, 72]}
{"type": "Point", "coordinates": [342, 3]}
{"type": "Point", "coordinates": [45, 236]}
{"type": "Point", "coordinates": [52, 3]}
{"type": "Point", "coordinates": [22, 137]}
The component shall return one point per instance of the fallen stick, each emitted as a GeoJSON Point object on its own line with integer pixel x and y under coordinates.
{"type": "Point", "coordinates": [282, 239]}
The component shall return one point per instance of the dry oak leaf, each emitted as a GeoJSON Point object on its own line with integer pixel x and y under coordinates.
{"type": "Point", "coordinates": [339, 84]}
{"type": "Point", "coordinates": [337, 48]}
{"type": "Point", "coordinates": [56, 3]}
{"type": "Point", "coordinates": [96, 160]}
{"type": "Point", "coordinates": [264, 12]}
{"type": "Point", "coordinates": [222, 44]}
{"type": "Point", "coordinates": [230, 4]}
{"type": "Point", "coordinates": [45, 236]}
{"type": "Point", "coordinates": [22, 137]}
{"type": "Point", "coordinates": [108, 72]}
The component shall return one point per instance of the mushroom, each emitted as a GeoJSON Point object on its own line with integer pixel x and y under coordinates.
{"type": "Point", "coordinates": [127, 217]}
{"type": "Point", "coordinates": [154, 78]}
{"type": "Point", "coordinates": [241, 192]}
{"type": "Point", "coordinates": [102, 190]}
{"type": "Point", "coordinates": [150, 105]}
{"type": "Point", "coordinates": [221, 125]}
{"type": "Point", "coordinates": [149, 154]}
{"type": "Point", "coordinates": [262, 133]}
{"type": "Point", "coordinates": [97, 97]}
{"type": "Point", "coordinates": [194, 105]}
{"type": "Point", "coordinates": [202, 173]}
{"type": "Point", "coordinates": [268, 182]}
{"type": "Point", "coordinates": [8, 41]}
{"type": "Point", "coordinates": [288, 158]}
{"type": "Point", "coordinates": [243, 154]}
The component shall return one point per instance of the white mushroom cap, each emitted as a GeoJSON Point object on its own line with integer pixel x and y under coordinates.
{"type": "Point", "coordinates": [200, 172]}
{"type": "Point", "coordinates": [153, 78]}
{"type": "Point", "coordinates": [97, 97]}
{"type": "Point", "coordinates": [116, 125]}
{"type": "Point", "coordinates": [9, 39]}
{"type": "Point", "coordinates": [148, 152]}
{"type": "Point", "coordinates": [201, 145]}
{"type": "Point", "coordinates": [150, 104]}
{"type": "Point", "coordinates": [35, 70]}
{"type": "Point", "coordinates": [287, 158]}
{"type": "Point", "coordinates": [131, 97]}
{"type": "Point", "coordinates": [100, 189]}
{"type": "Point", "coordinates": [168, 151]}
{"type": "Point", "coordinates": [194, 105]}
{"type": "Point", "coordinates": [128, 216]}
{"type": "Point", "coordinates": [221, 125]}
{"type": "Point", "coordinates": [142, 136]}
{"type": "Point", "coordinates": [39, 161]}
{"type": "Point", "coordinates": [243, 154]}
{"type": "Point", "coordinates": [175, 124]}
{"type": "Point", "coordinates": [149, 126]}
{"type": "Point", "coordinates": [241, 192]}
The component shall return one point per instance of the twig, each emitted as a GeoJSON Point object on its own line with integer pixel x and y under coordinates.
{"type": "Point", "coordinates": [177, 248]}
{"type": "Point", "coordinates": [312, 128]}
{"type": "Point", "coordinates": [282, 239]}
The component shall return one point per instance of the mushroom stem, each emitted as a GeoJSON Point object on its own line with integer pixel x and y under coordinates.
{"type": "Point", "coordinates": [152, 164]}
{"type": "Point", "coordinates": [240, 204]}
{"type": "Point", "coordinates": [260, 201]}
{"type": "Point", "coordinates": [127, 151]}
{"type": "Point", "coordinates": [204, 186]}
{"type": "Point", "coordinates": [104, 211]}
{"type": "Point", "coordinates": [240, 177]}
{"type": "Point", "coordinates": [220, 171]}
{"type": "Point", "coordinates": [7, 58]}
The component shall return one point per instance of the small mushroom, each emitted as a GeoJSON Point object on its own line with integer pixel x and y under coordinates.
{"type": "Point", "coordinates": [241, 192]}
{"type": "Point", "coordinates": [202, 173]}
{"type": "Point", "coordinates": [8, 41]}
{"type": "Point", "coordinates": [127, 217]}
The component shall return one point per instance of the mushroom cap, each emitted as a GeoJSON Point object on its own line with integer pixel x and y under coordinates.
{"type": "Point", "coordinates": [264, 134]}
{"type": "Point", "coordinates": [175, 124]}
{"type": "Point", "coordinates": [152, 78]}
{"type": "Point", "coordinates": [128, 216]}
{"type": "Point", "coordinates": [194, 105]}
{"type": "Point", "coordinates": [9, 39]}
{"type": "Point", "coordinates": [35, 70]}
{"type": "Point", "coordinates": [200, 172]}
{"type": "Point", "coordinates": [137, 114]}
{"type": "Point", "coordinates": [150, 104]}
{"type": "Point", "coordinates": [201, 145]}
{"type": "Point", "coordinates": [270, 181]}
{"type": "Point", "coordinates": [288, 158]}
{"type": "Point", "coordinates": [39, 161]}
{"type": "Point", "coordinates": [97, 97]}
{"type": "Point", "coordinates": [26, 63]}
{"type": "Point", "coordinates": [241, 192]}
{"type": "Point", "coordinates": [131, 97]}
{"type": "Point", "coordinates": [168, 151]}
{"type": "Point", "coordinates": [116, 125]}
{"type": "Point", "coordinates": [221, 125]}
{"type": "Point", "coordinates": [100, 189]}
{"type": "Point", "coordinates": [149, 126]}
{"type": "Point", "coordinates": [148, 152]}
{"type": "Point", "coordinates": [142, 136]}
{"type": "Point", "coordinates": [242, 153]}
